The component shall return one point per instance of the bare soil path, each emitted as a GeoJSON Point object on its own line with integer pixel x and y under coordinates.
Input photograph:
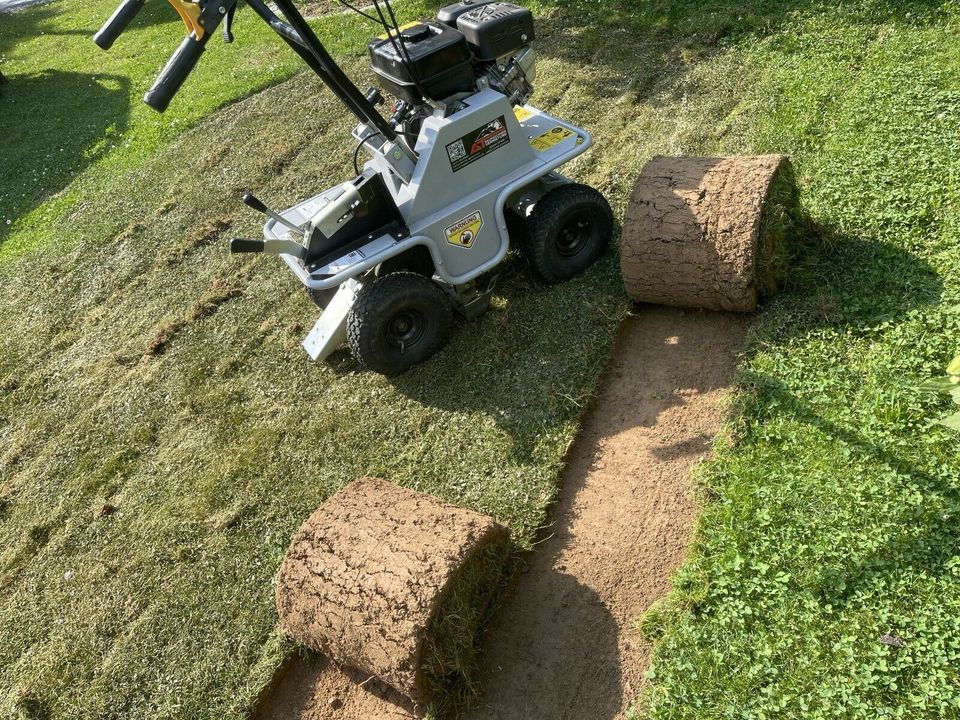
{"type": "Point", "coordinates": [563, 646]}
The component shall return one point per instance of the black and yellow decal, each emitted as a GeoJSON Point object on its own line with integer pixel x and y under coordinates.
{"type": "Point", "coordinates": [478, 143]}
{"type": "Point", "coordinates": [463, 233]}
{"type": "Point", "coordinates": [550, 138]}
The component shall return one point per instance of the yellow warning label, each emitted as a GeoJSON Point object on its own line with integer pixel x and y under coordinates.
{"type": "Point", "coordinates": [463, 233]}
{"type": "Point", "coordinates": [522, 113]}
{"type": "Point", "coordinates": [550, 138]}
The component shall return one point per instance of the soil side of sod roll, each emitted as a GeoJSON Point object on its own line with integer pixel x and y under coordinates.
{"type": "Point", "coordinates": [708, 232]}
{"type": "Point", "coordinates": [394, 583]}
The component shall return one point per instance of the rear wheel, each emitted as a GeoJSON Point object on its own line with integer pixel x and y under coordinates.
{"type": "Point", "coordinates": [399, 321]}
{"type": "Point", "coordinates": [567, 232]}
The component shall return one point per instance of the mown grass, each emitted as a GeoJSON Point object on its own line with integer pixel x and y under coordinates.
{"type": "Point", "coordinates": [162, 434]}
{"type": "Point", "coordinates": [823, 581]}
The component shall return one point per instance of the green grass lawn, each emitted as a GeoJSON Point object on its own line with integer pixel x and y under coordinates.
{"type": "Point", "coordinates": [146, 499]}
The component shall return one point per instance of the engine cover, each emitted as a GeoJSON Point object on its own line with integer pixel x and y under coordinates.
{"type": "Point", "coordinates": [494, 30]}
{"type": "Point", "coordinates": [440, 64]}
{"type": "Point", "coordinates": [449, 14]}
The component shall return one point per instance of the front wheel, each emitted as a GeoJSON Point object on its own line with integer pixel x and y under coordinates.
{"type": "Point", "coordinates": [567, 232]}
{"type": "Point", "coordinates": [398, 321]}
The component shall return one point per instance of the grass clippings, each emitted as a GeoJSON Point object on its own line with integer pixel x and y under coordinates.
{"type": "Point", "coordinates": [834, 519]}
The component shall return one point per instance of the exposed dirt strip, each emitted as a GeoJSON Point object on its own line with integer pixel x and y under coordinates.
{"type": "Point", "coordinates": [563, 645]}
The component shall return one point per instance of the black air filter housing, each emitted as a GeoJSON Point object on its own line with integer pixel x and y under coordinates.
{"type": "Point", "coordinates": [439, 58]}
{"type": "Point", "coordinates": [496, 29]}
{"type": "Point", "coordinates": [448, 15]}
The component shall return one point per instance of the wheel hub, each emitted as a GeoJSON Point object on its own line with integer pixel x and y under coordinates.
{"type": "Point", "coordinates": [573, 236]}
{"type": "Point", "coordinates": [405, 329]}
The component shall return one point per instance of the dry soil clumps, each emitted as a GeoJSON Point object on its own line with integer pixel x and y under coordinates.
{"type": "Point", "coordinates": [369, 578]}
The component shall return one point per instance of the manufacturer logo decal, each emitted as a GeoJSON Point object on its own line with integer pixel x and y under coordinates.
{"type": "Point", "coordinates": [463, 233]}
{"type": "Point", "coordinates": [478, 143]}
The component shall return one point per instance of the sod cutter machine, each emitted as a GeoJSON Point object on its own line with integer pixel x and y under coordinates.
{"type": "Point", "coordinates": [462, 166]}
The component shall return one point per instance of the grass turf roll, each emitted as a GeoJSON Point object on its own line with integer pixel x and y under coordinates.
{"type": "Point", "coordinates": [707, 232]}
{"type": "Point", "coordinates": [394, 583]}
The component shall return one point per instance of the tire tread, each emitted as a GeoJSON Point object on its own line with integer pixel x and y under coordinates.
{"type": "Point", "coordinates": [381, 293]}
{"type": "Point", "coordinates": [540, 227]}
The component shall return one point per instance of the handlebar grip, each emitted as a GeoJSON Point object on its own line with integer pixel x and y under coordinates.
{"type": "Point", "coordinates": [253, 202]}
{"type": "Point", "coordinates": [177, 70]}
{"type": "Point", "coordinates": [240, 245]}
{"type": "Point", "coordinates": [117, 23]}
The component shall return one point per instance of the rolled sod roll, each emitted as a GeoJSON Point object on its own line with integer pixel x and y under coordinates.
{"type": "Point", "coordinates": [707, 232]}
{"type": "Point", "coordinates": [392, 582]}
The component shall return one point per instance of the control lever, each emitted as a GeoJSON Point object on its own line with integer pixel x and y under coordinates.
{"type": "Point", "coordinates": [271, 247]}
{"type": "Point", "coordinates": [228, 24]}
{"type": "Point", "coordinates": [251, 201]}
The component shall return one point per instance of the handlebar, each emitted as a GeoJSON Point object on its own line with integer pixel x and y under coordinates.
{"type": "Point", "coordinates": [175, 73]}
{"type": "Point", "coordinates": [197, 19]}
{"type": "Point", "coordinates": [203, 17]}
{"type": "Point", "coordinates": [117, 23]}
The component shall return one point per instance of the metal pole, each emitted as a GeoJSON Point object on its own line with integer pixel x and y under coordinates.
{"type": "Point", "coordinates": [296, 43]}
{"type": "Point", "coordinates": [333, 75]}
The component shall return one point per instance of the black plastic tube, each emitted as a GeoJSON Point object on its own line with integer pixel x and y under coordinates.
{"type": "Point", "coordinates": [117, 23]}
{"type": "Point", "coordinates": [175, 73]}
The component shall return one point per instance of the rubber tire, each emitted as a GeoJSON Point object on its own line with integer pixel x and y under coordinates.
{"type": "Point", "coordinates": [380, 304]}
{"type": "Point", "coordinates": [415, 260]}
{"type": "Point", "coordinates": [543, 246]}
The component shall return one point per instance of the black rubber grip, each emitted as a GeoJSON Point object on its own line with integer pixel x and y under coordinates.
{"type": "Point", "coordinates": [239, 245]}
{"type": "Point", "coordinates": [252, 201]}
{"type": "Point", "coordinates": [175, 73]}
{"type": "Point", "coordinates": [117, 23]}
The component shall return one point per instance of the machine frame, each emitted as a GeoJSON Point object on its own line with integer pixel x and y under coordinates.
{"type": "Point", "coordinates": [512, 178]}
{"type": "Point", "coordinates": [447, 186]}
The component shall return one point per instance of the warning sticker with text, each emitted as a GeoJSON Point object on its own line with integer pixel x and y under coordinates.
{"type": "Point", "coordinates": [463, 233]}
{"type": "Point", "coordinates": [550, 138]}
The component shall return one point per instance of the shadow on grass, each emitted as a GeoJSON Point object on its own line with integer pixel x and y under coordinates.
{"type": "Point", "coordinates": [23, 25]}
{"type": "Point", "coordinates": [841, 281]}
{"type": "Point", "coordinates": [80, 115]}
{"type": "Point", "coordinates": [857, 285]}
{"type": "Point", "coordinates": [526, 363]}
{"type": "Point", "coordinates": [56, 123]}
